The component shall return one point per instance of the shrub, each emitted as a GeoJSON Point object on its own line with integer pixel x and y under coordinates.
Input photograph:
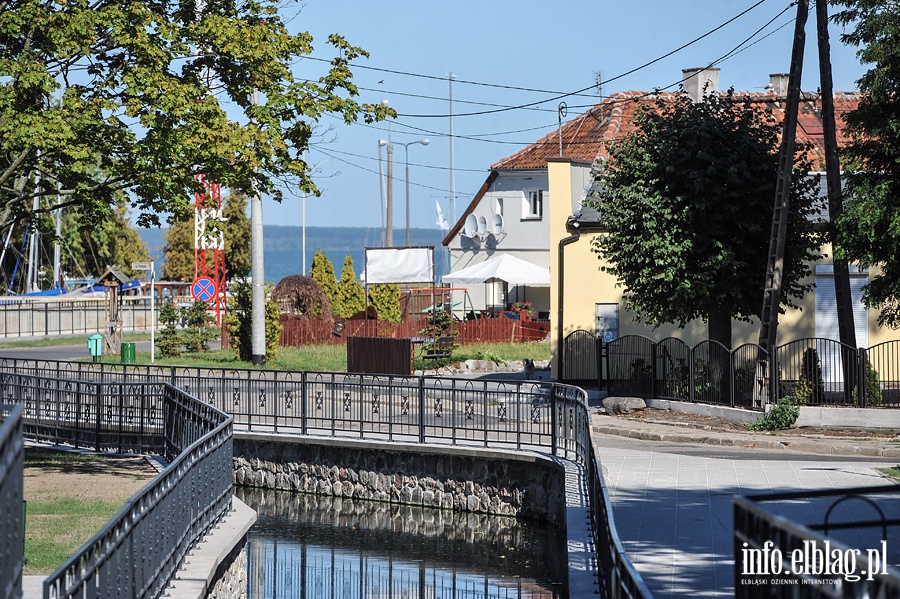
{"type": "Point", "coordinates": [169, 342]}
{"type": "Point", "coordinates": [199, 331]}
{"type": "Point", "coordinates": [810, 387]}
{"type": "Point", "coordinates": [874, 396]}
{"type": "Point", "coordinates": [302, 296]}
{"type": "Point", "coordinates": [240, 324]}
{"type": "Point", "coordinates": [351, 297]}
{"type": "Point", "coordinates": [322, 271]}
{"type": "Point", "coordinates": [386, 299]}
{"type": "Point", "coordinates": [780, 416]}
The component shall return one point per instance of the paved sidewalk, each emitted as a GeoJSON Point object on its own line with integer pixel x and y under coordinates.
{"type": "Point", "coordinates": [674, 512]}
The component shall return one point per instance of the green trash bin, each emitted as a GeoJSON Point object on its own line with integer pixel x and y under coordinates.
{"type": "Point", "coordinates": [128, 353]}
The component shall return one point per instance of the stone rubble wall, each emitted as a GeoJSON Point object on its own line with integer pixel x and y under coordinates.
{"type": "Point", "coordinates": [469, 480]}
{"type": "Point", "coordinates": [231, 582]}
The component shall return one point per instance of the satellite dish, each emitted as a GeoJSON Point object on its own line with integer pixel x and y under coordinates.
{"type": "Point", "coordinates": [470, 227]}
{"type": "Point", "coordinates": [497, 224]}
{"type": "Point", "coordinates": [482, 225]}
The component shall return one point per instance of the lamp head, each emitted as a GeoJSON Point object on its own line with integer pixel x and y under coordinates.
{"type": "Point", "coordinates": [382, 142]}
{"type": "Point", "coordinates": [425, 141]}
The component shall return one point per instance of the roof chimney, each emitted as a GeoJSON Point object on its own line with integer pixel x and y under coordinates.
{"type": "Point", "coordinates": [700, 82]}
{"type": "Point", "coordinates": [778, 84]}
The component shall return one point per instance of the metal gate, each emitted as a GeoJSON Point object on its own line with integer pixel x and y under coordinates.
{"type": "Point", "coordinates": [582, 354]}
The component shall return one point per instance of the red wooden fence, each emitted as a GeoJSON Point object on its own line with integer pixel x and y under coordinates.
{"type": "Point", "coordinates": [297, 332]}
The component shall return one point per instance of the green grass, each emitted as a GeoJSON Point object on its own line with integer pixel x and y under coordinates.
{"type": "Point", "coordinates": [329, 358]}
{"type": "Point", "coordinates": [892, 472]}
{"type": "Point", "coordinates": [57, 527]}
{"type": "Point", "coordinates": [58, 520]}
{"type": "Point", "coordinates": [40, 459]}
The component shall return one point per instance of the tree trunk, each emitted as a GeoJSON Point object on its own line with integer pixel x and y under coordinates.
{"type": "Point", "coordinates": [719, 326]}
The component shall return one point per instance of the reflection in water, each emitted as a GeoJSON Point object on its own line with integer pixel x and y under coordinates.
{"type": "Point", "coordinates": [315, 547]}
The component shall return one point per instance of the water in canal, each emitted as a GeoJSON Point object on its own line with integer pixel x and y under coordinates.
{"type": "Point", "coordinates": [312, 547]}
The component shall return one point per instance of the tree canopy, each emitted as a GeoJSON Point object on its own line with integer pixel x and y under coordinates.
{"type": "Point", "coordinates": [687, 204]}
{"type": "Point", "coordinates": [869, 229]}
{"type": "Point", "coordinates": [103, 97]}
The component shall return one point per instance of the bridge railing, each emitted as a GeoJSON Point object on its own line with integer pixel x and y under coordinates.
{"type": "Point", "coordinates": [806, 543]}
{"type": "Point", "coordinates": [12, 517]}
{"type": "Point", "coordinates": [523, 415]}
{"type": "Point", "coordinates": [138, 551]}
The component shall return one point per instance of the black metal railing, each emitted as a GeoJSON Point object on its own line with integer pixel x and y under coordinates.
{"type": "Point", "coordinates": [617, 576]}
{"type": "Point", "coordinates": [523, 415]}
{"type": "Point", "coordinates": [12, 517]}
{"type": "Point", "coordinates": [839, 552]}
{"type": "Point", "coordinates": [823, 371]}
{"type": "Point", "coordinates": [138, 551]}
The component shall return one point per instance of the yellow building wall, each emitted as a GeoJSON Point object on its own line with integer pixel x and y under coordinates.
{"type": "Point", "coordinates": [584, 286]}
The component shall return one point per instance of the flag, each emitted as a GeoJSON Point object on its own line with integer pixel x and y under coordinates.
{"type": "Point", "coordinates": [442, 223]}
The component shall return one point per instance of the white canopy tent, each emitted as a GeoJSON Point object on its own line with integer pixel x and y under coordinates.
{"type": "Point", "coordinates": [503, 267]}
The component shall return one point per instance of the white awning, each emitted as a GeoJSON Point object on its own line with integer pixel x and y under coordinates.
{"type": "Point", "coordinates": [503, 267]}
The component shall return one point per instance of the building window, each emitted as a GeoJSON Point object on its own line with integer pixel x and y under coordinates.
{"type": "Point", "coordinates": [534, 204]}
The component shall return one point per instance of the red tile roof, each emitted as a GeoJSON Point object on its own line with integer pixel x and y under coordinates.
{"type": "Point", "coordinates": [585, 137]}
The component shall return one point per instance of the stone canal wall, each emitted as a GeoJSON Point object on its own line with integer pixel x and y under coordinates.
{"type": "Point", "coordinates": [498, 482]}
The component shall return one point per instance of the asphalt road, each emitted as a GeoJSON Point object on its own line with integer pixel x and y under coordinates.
{"type": "Point", "coordinates": [69, 351]}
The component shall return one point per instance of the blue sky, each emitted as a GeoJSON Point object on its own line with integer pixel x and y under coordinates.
{"type": "Point", "coordinates": [509, 54]}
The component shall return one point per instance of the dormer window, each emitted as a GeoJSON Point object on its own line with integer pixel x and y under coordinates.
{"type": "Point", "coordinates": [534, 204]}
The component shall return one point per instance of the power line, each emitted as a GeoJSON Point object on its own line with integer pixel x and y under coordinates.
{"type": "Point", "coordinates": [560, 96]}
{"type": "Point", "coordinates": [368, 170]}
{"type": "Point", "coordinates": [440, 168]}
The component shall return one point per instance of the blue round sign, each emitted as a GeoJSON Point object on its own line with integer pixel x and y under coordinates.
{"type": "Point", "coordinates": [203, 289]}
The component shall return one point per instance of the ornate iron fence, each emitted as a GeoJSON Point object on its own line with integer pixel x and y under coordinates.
{"type": "Point", "coordinates": [824, 371]}
{"type": "Point", "coordinates": [523, 415]}
{"type": "Point", "coordinates": [840, 553]}
{"type": "Point", "coordinates": [137, 552]}
{"type": "Point", "coordinates": [12, 517]}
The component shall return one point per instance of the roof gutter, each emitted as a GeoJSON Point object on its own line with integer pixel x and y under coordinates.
{"type": "Point", "coordinates": [561, 258]}
{"type": "Point", "coordinates": [576, 227]}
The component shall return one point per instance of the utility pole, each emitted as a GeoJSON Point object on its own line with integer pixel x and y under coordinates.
{"type": "Point", "coordinates": [389, 233]}
{"type": "Point", "coordinates": [257, 277]}
{"type": "Point", "coordinates": [842, 295]}
{"type": "Point", "coordinates": [768, 329]}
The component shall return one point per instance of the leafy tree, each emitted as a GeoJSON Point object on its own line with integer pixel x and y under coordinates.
{"type": "Point", "coordinates": [386, 300]}
{"type": "Point", "coordinates": [86, 248]}
{"type": "Point", "coordinates": [239, 322]}
{"type": "Point", "coordinates": [868, 232]}
{"type": "Point", "coordinates": [351, 297]}
{"type": "Point", "coordinates": [154, 93]}
{"type": "Point", "coordinates": [179, 252]}
{"type": "Point", "coordinates": [237, 236]}
{"type": "Point", "coordinates": [688, 208]}
{"type": "Point", "coordinates": [322, 271]}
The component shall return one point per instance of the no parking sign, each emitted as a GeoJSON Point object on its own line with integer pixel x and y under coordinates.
{"type": "Point", "coordinates": [204, 289]}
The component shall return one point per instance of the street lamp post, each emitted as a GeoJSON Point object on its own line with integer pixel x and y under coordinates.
{"type": "Point", "coordinates": [424, 142]}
